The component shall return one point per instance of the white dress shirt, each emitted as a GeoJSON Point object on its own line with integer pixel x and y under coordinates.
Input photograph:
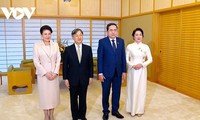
{"type": "Point", "coordinates": [114, 42]}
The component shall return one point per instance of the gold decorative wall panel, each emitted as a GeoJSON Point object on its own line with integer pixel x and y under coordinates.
{"type": "Point", "coordinates": [179, 59]}
{"type": "Point", "coordinates": [111, 8]}
{"type": "Point", "coordinates": [169, 41]}
{"type": "Point", "coordinates": [23, 3]}
{"type": "Point", "coordinates": [182, 2]}
{"type": "Point", "coordinates": [90, 7]}
{"type": "Point", "coordinates": [161, 4]}
{"type": "Point", "coordinates": [189, 82]}
{"type": "Point", "coordinates": [146, 6]}
{"type": "Point", "coordinates": [47, 7]}
{"type": "Point", "coordinates": [134, 7]}
{"type": "Point", "coordinates": [125, 8]}
{"type": "Point", "coordinates": [4, 3]}
{"type": "Point", "coordinates": [69, 8]}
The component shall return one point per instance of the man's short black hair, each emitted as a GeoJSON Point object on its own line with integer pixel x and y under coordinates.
{"type": "Point", "coordinates": [108, 25]}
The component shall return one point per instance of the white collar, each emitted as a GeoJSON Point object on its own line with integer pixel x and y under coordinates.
{"type": "Point", "coordinates": [78, 45]}
{"type": "Point", "coordinates": [112, 39]}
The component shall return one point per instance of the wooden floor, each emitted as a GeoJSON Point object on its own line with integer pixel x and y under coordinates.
{"type": "Point", "coordinates": [161, 104]}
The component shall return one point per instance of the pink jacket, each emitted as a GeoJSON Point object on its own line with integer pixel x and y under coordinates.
{"type": "Point", "coordinates": [46, 60]}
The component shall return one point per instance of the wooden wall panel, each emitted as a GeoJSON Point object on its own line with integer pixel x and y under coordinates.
{"type": "Point", "coordinates": [129, 24]}
{"type": "Point", "coordinates": [47, 7]}
{"type": "Point", "coordinates": [69, 8]}
{"type": "Point", "coordinates": [23, 3]}
{"type": "Point", "coordinates": [146, 6]}
{"type": "Point", "coordinates": [155, 47]}
{"type": "Point", "coordinates": [125, 8]}
{"type": "Point", "coordinates": [161, 4]}
{"type": "Point", "coordinates": [182, 2]}
{"type": "Point", "coordinates": [190, 52]}
{"type": "Point", "coordinates": [179, 65]}
{"type": "Point", "coordinates": [4, 3]}
{"type": "Point", "coordinates": [134, 7]}
{"type": "Point", "coordinates": [111, 8]}
{"type": "Point", "coordinates": [169, 41]}
{"type": "Point", "coordinates": [90, 7]}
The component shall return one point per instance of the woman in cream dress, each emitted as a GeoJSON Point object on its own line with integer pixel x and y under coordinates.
{"type": "Point", "coordinates": [138, 56]}
{"type": "Point", "coordinates": [46, 57]}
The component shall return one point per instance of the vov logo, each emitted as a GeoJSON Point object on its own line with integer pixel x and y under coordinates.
{"type": "Point", "coordinates": [18, 13]}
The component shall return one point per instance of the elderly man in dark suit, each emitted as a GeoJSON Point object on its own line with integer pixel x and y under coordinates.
{"type": "Point", "coordinates": [111, 69]}
{"type": "Point", "coordinates": [78, 73]}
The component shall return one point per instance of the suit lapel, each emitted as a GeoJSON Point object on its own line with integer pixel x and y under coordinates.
{"type": "Point", "coordinates": [44, 49]}
{"type": "Point", "coordinates": [83, 51]}
{"type": "Point", "coordinates": [48, 53]}
{"type": "Point", "coordinates": [51, 49]}
{"type": "Point", "coordinates": [75, 53]}
{"type": "Point", "coordinates": [109, 44]}
{"type": "Point", "coordinates": [118, 44]}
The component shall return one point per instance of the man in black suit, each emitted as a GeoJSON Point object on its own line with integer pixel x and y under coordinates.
{"type": "Point", "coordinates": [78, 73]}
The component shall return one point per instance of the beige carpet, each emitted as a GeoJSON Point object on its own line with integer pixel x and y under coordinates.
{"type": "Point", "coordinates": [161, 104]}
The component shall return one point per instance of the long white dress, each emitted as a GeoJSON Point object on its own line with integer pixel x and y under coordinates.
{"type": "Point", "coordinates": [137, 79]}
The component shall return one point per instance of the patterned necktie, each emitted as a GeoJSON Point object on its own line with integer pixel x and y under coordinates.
{"type": "Point", "coordinates": [113, 45]}
{"type": "Point", "coordinates": [79, 53]}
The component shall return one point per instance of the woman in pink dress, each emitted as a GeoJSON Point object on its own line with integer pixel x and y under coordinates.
{"type": "Point", "coordinates": [46, 57]}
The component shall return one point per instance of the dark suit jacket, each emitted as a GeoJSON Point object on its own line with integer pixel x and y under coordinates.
{"type": "Point", "coordinates": [74, 71]}
{"type": "Point", "coordinates": [108, 60]}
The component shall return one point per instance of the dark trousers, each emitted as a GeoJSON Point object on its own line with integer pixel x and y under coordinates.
{"type": "Point", "coordinates": [78, 96]}
{"type": "Point", "coordinates": [115, 82]}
